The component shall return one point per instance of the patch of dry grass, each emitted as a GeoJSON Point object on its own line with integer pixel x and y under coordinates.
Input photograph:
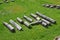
{"type": "Point", "coordinates": [15, 8]}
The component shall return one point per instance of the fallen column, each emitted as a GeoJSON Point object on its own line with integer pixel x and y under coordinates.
{"type": "Point", "coordinates": [27, 18]}
{"type": "Point", "coordinates": [35, 16]}
{"type": "Point", "coordinates": [27, 24]}
{"type": "Point", "coordinates": [44, 24]}
{"type": "Point", "coordinates": [52, 6]}
{"type": "Point", "coordinates": [39, 22]}
{"type": "Point", "coordinates": [45, 17]}
{"type": "Point", "coordinates": [46, 21]}
{"type": "Point", "coordinates": [46, 5]}
{"type": "Point", "coordinates": [16, 25]}
{"type": "Point", "coordinates": [20, 20]}
{"type": "Point", "coordinates": [9, 26]}
{"type": "Point", "coordinates": [36, 22]}
{"type": "Point", "coordinates": [58, 6]}
{"type": "Point", "coordinates": [23, 22]}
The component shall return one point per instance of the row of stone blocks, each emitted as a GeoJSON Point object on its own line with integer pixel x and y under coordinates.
{"type": "Point", "coordinates": [51, 6]}
{"type": "Point", "coordinates": [39, 19]}
{"type": "Point", "coordinates": [6, 1]}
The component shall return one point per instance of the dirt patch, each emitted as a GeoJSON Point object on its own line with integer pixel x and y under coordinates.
{"type": "Point", "coordinates": [15, 9]}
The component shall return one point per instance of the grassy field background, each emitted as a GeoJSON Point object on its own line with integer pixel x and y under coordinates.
{"type": "Point", "coordinates": [12, 10]}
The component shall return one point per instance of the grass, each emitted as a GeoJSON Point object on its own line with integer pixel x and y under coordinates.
{"type": "Point", "coordinates": [12, 10]}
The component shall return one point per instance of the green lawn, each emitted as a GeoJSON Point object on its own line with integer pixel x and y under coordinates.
{"type": "Point", "coordinates": [12, 10]}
